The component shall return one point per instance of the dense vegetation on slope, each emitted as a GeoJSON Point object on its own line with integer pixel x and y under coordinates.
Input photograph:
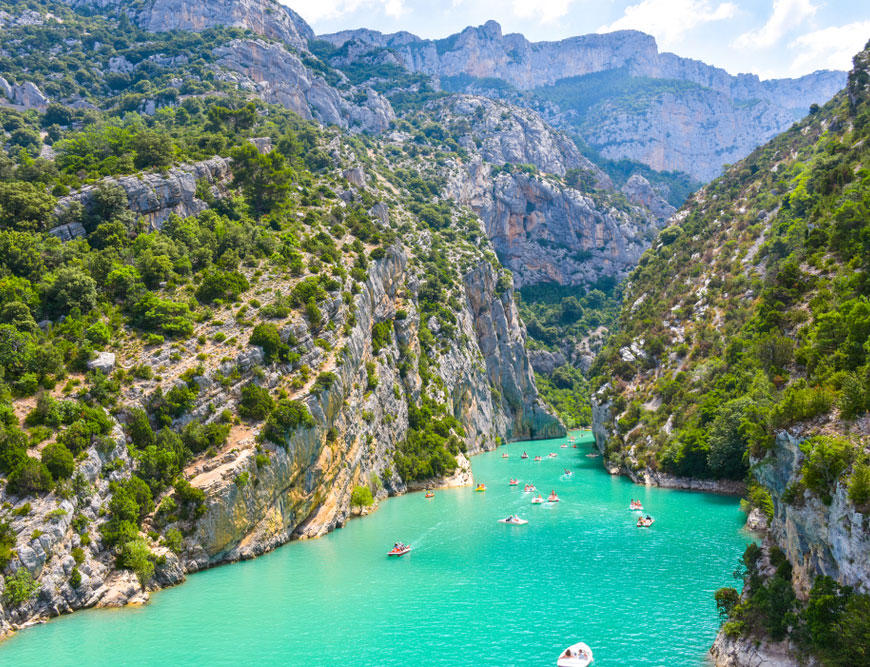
{"type": "Point", "coordinates": [752, 312]}
{"type": "Point", "coordinates": [570, 323]}
{"type": "Point", "coordinates": [282, 239]}
{"type": "Point", "coordinates": [748, 317]}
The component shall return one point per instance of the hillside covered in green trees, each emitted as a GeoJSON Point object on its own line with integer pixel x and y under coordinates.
{"type": "Point", "coordinates": [743, 353]}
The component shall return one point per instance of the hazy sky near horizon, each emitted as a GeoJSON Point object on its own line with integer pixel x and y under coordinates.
{"type": "Point", "coordinates": [771, 38]}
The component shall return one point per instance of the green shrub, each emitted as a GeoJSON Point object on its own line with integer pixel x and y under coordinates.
{"type": "Point", "coordinates": [256, 402]}
{"type": "Point", "coordinates": [382, 336]}
{"type": "Point", "coordinates": [361, 497]}
{"type": "Point", "coordinates": [135, 555]}
{"type": "Point", "coordinates": [323, 382]}
{"type": "Point", "coordinates": [826, 458]}
{"type": "Point", "coordinates": [59, 460]}
{"type": "Point", "coordinates": [29, 476]}
{"type": "Point", "coordinates": [20, 587]}
{"type": "Point", "coordinates": [287, 416]}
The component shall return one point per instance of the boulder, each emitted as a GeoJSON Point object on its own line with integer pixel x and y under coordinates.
{"type": "Point", "coordinates": [104, 362]}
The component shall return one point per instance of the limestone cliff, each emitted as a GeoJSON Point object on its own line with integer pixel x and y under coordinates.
{"type": "Point", "coordinates": [616, 90]}
{"type": "Point", "coordinates": [269, 18]}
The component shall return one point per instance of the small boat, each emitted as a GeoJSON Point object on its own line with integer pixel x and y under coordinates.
{"type": "Point", "coordinates": [524, 456]}
{"type": "Point", "coordinates": [513, 520]}
{"type": "Point", "coordinates": [529, 488]}
{"type": "Point", "coordinates": [578, 655]}
{"type": "Point", "coordinates": [593, 455]}
{"type": "Point", "coordinates": [552, 455]}
{"type": "Point", "coordinates": [552, 498]}
{"type": "Point", "coordinates": [430, 494]}
{"type": "Point", "coordinates": [480, 487]}
{"type": "Point", "coordinates": [564, 446]}
{"type": "Point", "coordinates": [399, 550]}
{"type": "Point", "coordinates": [505, 455]}
{"type": "Point", "coordinates": [635, 507]}
{"type": "Point", "coordinates": [645, 522]}
{"type": "Point", "coordinates": [514, 482]}
{"type": "Point", "coordinates": [537, 458]}
{"type": "Point", "coordinates": [537, 500]}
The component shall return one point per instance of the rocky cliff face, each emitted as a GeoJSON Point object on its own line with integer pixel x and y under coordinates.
{"type": "Point", "coordinates": [668, 112]}
{"type": "Point", "coordinates": [546, 232]}
{"type": "Point", "coordinates": [818, 539]}
{"type": "Point", "coordinates": [153, 197]}
{"type": "Point", "coordinates": [264, 17]}
{"type": "Point", "coordinates": [542, 228]}
{"type": "Point", "coordinates": [259, 495]}
{"type": "Point", "coordinates": [280, 77]}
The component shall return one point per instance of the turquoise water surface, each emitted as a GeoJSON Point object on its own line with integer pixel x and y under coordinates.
{"type": "Point", "coordinates": [473, 591]}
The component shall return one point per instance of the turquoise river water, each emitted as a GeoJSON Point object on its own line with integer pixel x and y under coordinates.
{"type": "Point", "coordinates": [473, 591]}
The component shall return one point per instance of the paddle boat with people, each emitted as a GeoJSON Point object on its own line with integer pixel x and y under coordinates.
{"type": "Point", "coordinates": [524, 456]}
{"type": "Point", "coordinates": [645, 522]}
{"type": "Point", "coordinates": [513, 520]}
{"type": "Point", "coordinates": [399, 549]}
{"type": "Point", "coordinates": [430, 494]}
{"type": "Point", "coordinates": [529, 488]}
{"type": "Point", "coordinates": [552, 455]}
{"type": "Point", "coordinates": [635, 505]}
{"type": "Point", "coordinates": [564, 446]}
{"type": "Point", "coordinates": [576, 655]}
{"type": "Point", "coordinates": [567, 473]}
{"type": "Point", "coordinates": [514, 482]}
{"type": "Point", "coordinates": [538, 499]}
{"type": "Point", "coordinates": [553, 498]}
{"type": "Point", "coordinates": [480, 487]}
{"type": "Point", "coordinates": [505, 455]}
{"type": "Point", "coordinates": [537, 458]}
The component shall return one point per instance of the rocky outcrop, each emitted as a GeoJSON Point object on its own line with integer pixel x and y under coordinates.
{"type": "Point", "coordinates": [640, 193]}
{"type": "Point", "coordinates": [695, 120]}
{"type": "Point", "coordinates": [504, 133]}
{"type": "Point", "coordinates": [280, 77]}
{"type": "Point", "coordinates": [153, 197]}
{"type": "Point", "coordinates": [749, 652]}
{"type": "Point", "coordinates": [263, 17]}
{"type": "Point", "coordinates": [545, 231]}
{"type": "Point", "coordinates": [818, 539]}
{"type": "Point", "coordinates": [26, 95]}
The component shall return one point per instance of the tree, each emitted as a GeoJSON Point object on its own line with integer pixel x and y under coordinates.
{"type": "Point", "coordinates": [264, 179]}
{"type": "Point", "coordinates": [267, 337]}
{"type": "Point", "coordinates": [70, 288]}
{"type": "Point", "coordinates": [20, 587]}
{"type": "Point", "coordinates": [361, 497]}
{"type": "Point", "coordinates": [30, 476]}
{"type": "Point", "coordinates": [255, 403]}
{"type": "Point", "coordinates": [24, 206]}
{"type": "Point", "coordinates": [287, 416]}
{"type": "Point", "coordinates": [59, 460]}
{"type": "Point", "coordinates": [135, 555]}
{"type": "Point", "coordinates": [727, 443]}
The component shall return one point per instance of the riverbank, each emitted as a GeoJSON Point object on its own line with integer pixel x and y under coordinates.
{"type": "Point", "coordinates": [471, 589]}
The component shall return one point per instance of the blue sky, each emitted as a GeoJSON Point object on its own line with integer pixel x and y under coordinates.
{"type": "Point", "coordinates": [772, 38]}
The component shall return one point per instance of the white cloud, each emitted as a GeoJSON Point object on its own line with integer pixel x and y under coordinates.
{"type": "Point", "coordinates": [829, 48]}
{"type": "Point", "coordinates": [669, 20]}
{"type": "Point", "coordinates": [321, 10]}
{"type": "Point", "coordinates": [543, 10]}
{"type": "Point", "coordinates": [786, 16]}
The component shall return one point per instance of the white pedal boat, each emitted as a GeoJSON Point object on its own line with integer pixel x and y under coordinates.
{"type": "Point", "coordinates": [578, 655]}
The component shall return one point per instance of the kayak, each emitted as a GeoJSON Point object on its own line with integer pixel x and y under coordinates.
{"type": "Point", "coordinates": [513, 522]}
{"type": "Point", "coordinates": [552, 455]}
{"type": "Point", "coordinates": [578, 655]}
{"type": "Point", "coordinates": [401, 551]}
